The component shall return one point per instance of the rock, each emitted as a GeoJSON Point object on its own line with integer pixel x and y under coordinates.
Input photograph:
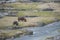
{"type": "Point", "coordinates": [14, 27]}
{"type": "Point", "coordinates": [2, 38]}
{"type": "Point", "coordinates": [1, 15]}
{"type": "Point", "coordinates": [56, 19]}
{"type": "Point", "coordinates": [29, 32]}
{"type": "Point", "coordinates": [40, 24]}
{"type": "Point", "coordinates": [57, 37]}
{"type": "Point", "coordinates": [49, 38]}
{"type": "Point", "coordinates": [48, 9]}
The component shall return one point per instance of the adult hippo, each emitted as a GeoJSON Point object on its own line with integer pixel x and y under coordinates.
{"type": "Point", "coordinates": [22, 19]}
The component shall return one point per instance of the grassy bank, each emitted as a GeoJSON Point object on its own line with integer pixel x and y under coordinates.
{"type": "Point", "coordinates": [8, 21]}
{"type": "Point", "coordinates": [14, 33]}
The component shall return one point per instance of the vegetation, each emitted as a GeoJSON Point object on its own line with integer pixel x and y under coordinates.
{"type": "Point", "coordinates": [12, 33]}
{"type": "Point", "coordinates": [26, 9]}
{"type": "Point", "coordinates": [42, 13]}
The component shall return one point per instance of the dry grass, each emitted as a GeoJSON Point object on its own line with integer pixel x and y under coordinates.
{"type": "Point", "coordinates": [12, 33]}
{"type": "Point", "coordinates": [7, 21]}
{"type": "Point", "coordinates": [33, 21]}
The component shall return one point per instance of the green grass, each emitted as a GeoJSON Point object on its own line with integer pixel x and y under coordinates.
{"type": "Point", "coordinates": [12, 33]}
{"type": "Point", "coordinates": [42, 13]}
{"type": "Point", "coordinates": [21, 13]}
{"type": "Point", "coordinates": [38, 13]}
{"type": "Point", "coordinates": [24, 5]}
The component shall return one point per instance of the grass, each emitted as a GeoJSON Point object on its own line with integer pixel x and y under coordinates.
{"type": "Point", "coordinates": [45, 17]}
{"type": "Point", "coordinates": [7, 21]}
{"type": "Point", "coordinates": [28, 6]}
{"type": "Point", "coordinates": [47, 20]}
{"type": "Point", "coordinates": [21, 13]}
{"type": "Point", "coordinates": [23, 5]}
{"type": "Point", "coordinates": [12, 33]}
{"type": "Point", "coordinates": [36, 21]}
{"type": "Point", "coordinates": [33, 13]}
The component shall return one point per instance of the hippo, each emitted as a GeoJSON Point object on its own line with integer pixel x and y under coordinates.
{"type": "Point", "coordinates": [15, 23]}
{"type": "Point", "coordinates": [22, 19]}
